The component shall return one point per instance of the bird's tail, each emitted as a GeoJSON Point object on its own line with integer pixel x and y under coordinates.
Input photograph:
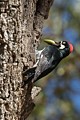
{"type": "Point", "coordinates": [28, 75]}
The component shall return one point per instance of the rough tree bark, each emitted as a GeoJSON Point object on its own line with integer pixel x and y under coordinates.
{"type": "Point", "coordinates": [21, 22]}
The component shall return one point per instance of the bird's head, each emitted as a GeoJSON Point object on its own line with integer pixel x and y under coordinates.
{"type": "Point", "coordinates": [64, 47]}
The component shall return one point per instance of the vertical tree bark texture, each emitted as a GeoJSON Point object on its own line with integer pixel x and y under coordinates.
{"type": "Point", "coordinates": [21, 22]}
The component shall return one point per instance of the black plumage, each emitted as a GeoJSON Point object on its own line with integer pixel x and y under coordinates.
{"type": "Point", "coordinates": [48, 59]}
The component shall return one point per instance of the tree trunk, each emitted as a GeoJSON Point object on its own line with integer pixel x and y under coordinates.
{"type": "Point", "coordinates": [21, 22]}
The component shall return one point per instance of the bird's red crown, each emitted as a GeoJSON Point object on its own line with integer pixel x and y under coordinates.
{"type": "Point", "coordinates": [71, 47]}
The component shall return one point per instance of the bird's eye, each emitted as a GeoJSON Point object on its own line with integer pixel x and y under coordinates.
{"type": "Point", "coordinates": [64, 43]}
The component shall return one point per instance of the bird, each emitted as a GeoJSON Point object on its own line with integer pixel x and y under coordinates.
{"type": "Point", "coordinates": [47, 59]}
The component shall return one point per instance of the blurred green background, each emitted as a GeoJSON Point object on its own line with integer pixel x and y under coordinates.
{"type": "Point", "coordinates": [60, 96]}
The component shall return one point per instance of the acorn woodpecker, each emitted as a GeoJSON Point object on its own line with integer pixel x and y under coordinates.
{"type": "Point", "coordinates": [47, 59]}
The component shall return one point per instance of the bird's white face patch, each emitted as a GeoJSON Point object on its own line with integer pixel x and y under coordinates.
{"type": "Point", "coordinates": [61, 46]}
{"type": "Point", "coordinates": [42, 56]}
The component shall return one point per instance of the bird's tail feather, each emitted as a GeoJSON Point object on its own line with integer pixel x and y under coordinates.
{"type": "Point", "coordinates": [28, 75]}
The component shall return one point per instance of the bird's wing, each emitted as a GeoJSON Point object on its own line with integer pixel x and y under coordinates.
{"type": "Point", "coordinates": [38, 54]}
{"type": "Point", "coordinates": [43, 65]}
